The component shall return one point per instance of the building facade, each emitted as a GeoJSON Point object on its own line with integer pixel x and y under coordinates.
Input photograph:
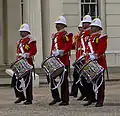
{"type": "Point", "coordinates": [41, 14]}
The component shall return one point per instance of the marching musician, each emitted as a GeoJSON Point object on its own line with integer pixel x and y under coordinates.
{"type": "Point", "coordinates": [26, 48]}
{"type": "Point", "coordinates": [77, 46]}
{"type": "Point", "coordinates": [86, 88]}
{"type": "Point", "coordinates": [61, 45]}
{"type": "Point", "coordinates": [96, 50]}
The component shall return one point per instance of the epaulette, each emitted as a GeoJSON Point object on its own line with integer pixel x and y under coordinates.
{"type": "Point", "coordinates": [103, 36]}
{"type": "Point", "coordinates": [96, 40]}
{"type": "Point", "coordinates": [31, 40]}
{"type": "Point", "coordinates": [70, 34]}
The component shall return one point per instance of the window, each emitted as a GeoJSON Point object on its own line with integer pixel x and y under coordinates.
{"type": "Point", "coordinates": [89, 7]}
{"type": "Point", "coordinates": [22, 10]}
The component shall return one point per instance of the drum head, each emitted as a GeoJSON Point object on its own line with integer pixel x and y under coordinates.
{"type": "Point", "coordinates": [21, 67]}
{"type": "Point", "coordinates": [92, 70]}
{"type": "Point", "coordinates": [57, 72]}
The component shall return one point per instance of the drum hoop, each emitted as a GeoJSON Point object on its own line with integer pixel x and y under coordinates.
{"type": "Point", "coordinates": [46, 60]}
{"type": "Point", "coordinates": [26, 72]}
{"type": "Point", "coordinates": [85, 65]}
{"type": "Point", "coordinates": [56, 70]}
{"type": "Point", "coordinates": [77, 61]}
{"type": "Point", "coordinates": [12, 64]}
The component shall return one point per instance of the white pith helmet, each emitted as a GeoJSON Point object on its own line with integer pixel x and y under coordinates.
{"type": "Point", "coordinates": [96, 22]}
{"type": "Point", "coordinates": [25, 27]}
{"type": "Point", "coordinates": [61, 20]}
{"type": "Point", "coordinates": [87, 19]}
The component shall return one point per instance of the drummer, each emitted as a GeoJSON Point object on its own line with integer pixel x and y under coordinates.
{"type": "Point", "coordinates": [96, 50]}
{"type": "Point", "coordinates": [78, 48]}
{"type": "Point", "coordinates": [85, 87]}
{"type": "Point", "coordinates": [28, 51]}
{"type": "Point", "coordinates": [61, 45]}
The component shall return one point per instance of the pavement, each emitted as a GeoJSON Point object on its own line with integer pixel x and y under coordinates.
{"type": "Point", "coordinates": [42, 97]}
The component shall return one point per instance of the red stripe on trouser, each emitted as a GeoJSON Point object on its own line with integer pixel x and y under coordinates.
{"type": "Point", "coordinates": [66, 87]}
{"type": "Point", "coordinates": [101, 92]}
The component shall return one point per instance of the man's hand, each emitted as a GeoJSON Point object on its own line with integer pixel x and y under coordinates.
{"type": "Point", "coordinates": [26, 55]}
{"type": "Point", "coordinates": [92, 57]}
{"type": "Point", "coordinates": [56, 53]}
{"type": "Point", "coordinates": [61, 52]}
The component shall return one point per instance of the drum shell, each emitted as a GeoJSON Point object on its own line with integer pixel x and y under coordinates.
{"type": "Point", "coordinates": [53, 66]}
{"type": "Point", "coordinates": [21, 67]}
{"type": "Point", "coordinates": [78, 64]}
{"type": "Point", "coordinates": [92, 70]}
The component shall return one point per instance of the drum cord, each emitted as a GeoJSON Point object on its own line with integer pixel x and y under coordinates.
{"type": "Point", "coordinates": [95, 87]}
{"type": "Point", "coordinates": [60, 82]}
{"type": "Point", "coordinates": [79, 80]}
{"type": "Point", "coordinates": [24, 83]}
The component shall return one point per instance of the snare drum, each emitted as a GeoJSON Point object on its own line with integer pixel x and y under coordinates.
{"type": "Point", "coordinates": [92, 70]}
{"type": "Point", "coordinates": [78, 64]}
{"type": "Point", "coordinates": [21, 67]}
{"type": "Point", "coordinates": [53, 66]}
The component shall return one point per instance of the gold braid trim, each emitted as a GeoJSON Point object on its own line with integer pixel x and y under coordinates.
{"type": "Point", "coordinates": [75, 40]}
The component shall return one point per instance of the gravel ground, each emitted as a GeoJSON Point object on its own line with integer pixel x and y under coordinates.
{"type": "Point", "coordinates": [42, 97]}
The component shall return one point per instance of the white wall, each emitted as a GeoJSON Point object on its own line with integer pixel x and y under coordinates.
{"type": "Point", "coordinates": [1, 36]}
{"type": "Point", "coordinates": [54, 14]}
{"type": "Point", "coordinates": [113, 31]}
{"type": "Point", "coordinates": [14, 20]}
{"type": "Point", "coordinates": [71, 9]}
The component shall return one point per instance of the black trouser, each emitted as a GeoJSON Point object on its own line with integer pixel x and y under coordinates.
{"type": "Point", "coordinates": [84, 87]}
{"type": "Point", "coordinates": [74, 88]}
{"type": "Point", "coordinates": [101, 90]}
{"type": "Point", "coordinates": [29, 95]}
{"type": "Point", "coordinates": [64, 88]}
{"type": "Point", "coordinates": [88, 89]}
{"type": "Point", "coordinates": [100, 95]}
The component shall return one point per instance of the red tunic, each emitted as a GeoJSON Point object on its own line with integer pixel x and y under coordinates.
{"type": "Point", "coordinates": [29, 46]}
{"type": "Point", "coordinates": [99, 45]}
{"type": "Point", "coordinates": [63, 40]}
{"type": "Point", "coordinates": [77, 45]}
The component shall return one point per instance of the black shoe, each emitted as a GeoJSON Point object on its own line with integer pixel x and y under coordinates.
{"type": "Point", "coordinates": [54, 101]}
{"type": "Point", "coordinates": [19, 100]}
{"type": "Point", "coordinates": [94, 100]}
{"type": "Point", "coordinates": [88, 103]}
{"type": "Point", "coordinates": [27, 102]}
{"type": "Point", "coordinates": [64, 103]}
{"type": "Point", "coordinates": [80, 98]}
{"type": "Point", "coordinates": [98, 105]}
{"type": "Point", "coordinates": [74, 95]}
{"type": "Point", "coordinates": [71, 94]}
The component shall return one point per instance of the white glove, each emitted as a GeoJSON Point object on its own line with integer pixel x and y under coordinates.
{"type": "Point", "coordinates": [92, 57]}
{"type": "Point", "coordinates": [56, 53]}
{"type": "Point", "coordinates": [61, 52]}
{"type": "Point", "coordinates": [25, 55]}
